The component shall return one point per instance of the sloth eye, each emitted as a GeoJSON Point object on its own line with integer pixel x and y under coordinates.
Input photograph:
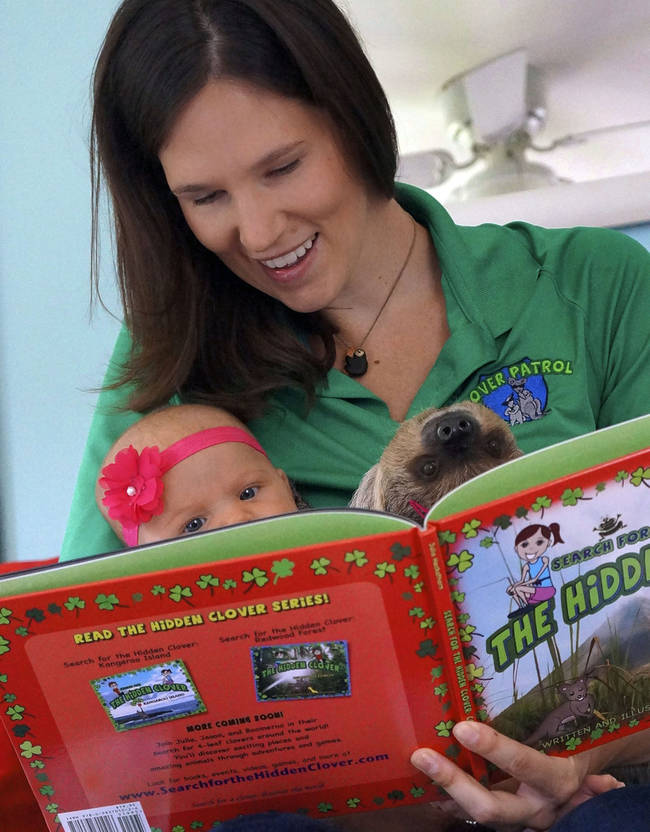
{"type": "Point", "coordinates": [428, 468]}
{"type": "Point", "coordinates": [493, 447]}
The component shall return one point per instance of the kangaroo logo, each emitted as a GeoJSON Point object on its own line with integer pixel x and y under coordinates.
{"type": "Point", "coordinates": [528, 406]}
{"type": "Point", "coordinates": [518, 393]}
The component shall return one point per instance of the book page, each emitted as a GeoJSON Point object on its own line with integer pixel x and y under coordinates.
{"type": "Point", "coordinates": [258, 706]}
{"type": "Point", "coordinates": [271, 535]}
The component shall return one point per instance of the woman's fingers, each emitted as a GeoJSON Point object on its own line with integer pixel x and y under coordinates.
{"type": "Point", "coordinates": [592, 785]}
{"type": "Point", "coordinates": [546, 783]}
{"type": "Point", "coordinates": [557, 778]}
{"type": "Point", "coordinates": [548, 786]}
{"type": "Point", "coordinates": [483, 805]}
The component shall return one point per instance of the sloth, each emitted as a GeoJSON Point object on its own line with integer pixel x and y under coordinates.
{"type": "Point", "coordinates": [432, 453]}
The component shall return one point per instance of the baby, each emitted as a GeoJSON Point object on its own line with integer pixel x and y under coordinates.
{"type": "Point", "coordinates": [185, 469]}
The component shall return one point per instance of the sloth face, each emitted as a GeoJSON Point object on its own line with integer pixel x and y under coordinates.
{"type": "Point", "coordinates": [434, 452]}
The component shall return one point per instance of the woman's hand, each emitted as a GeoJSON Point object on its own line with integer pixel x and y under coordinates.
{"type": "Point", "coordinates": [545, 787]}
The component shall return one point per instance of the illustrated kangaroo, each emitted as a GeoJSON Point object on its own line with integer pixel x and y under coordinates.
{"type": "Point", "coordinates": [579, 704]}
{"type": "Point", "coordinates": [531, 407]}
{"type": "Point", "coordinates": [513, 411]}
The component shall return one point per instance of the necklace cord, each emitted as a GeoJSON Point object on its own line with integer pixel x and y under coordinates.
{"type": "Point", "coordinates": [356, 361]}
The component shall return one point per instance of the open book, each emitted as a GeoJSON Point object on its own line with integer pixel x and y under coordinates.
{"type": "Point", "coordinates": [295, 663]}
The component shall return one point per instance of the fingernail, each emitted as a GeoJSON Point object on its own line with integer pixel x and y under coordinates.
{"type": "Point", "coordinates": [426, 760]}
{"type": "Point", "coordinates": [619, 784]}
{"type": "Point", "coordinates": [467, 732]}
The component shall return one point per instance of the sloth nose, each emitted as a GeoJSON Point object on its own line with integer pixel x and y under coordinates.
{"type": "Point", "coordinates": [454, 428]}
{"type": "Point", "coordinates": [454, 432]}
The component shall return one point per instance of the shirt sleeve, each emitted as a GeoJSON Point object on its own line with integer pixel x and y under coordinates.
{"type": "Point", "coordinates": [620, 328]}
{"type": "Point", "coordinates": [87, 532]}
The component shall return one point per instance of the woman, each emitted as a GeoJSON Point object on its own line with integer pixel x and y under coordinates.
{"type": "Point", "coordinates": [269, 266]}
{"type": "Point", "coordinates": [442, 313]}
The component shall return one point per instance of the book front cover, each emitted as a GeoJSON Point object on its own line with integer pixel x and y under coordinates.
{"type": "Point", "coordinates": [554, 606]}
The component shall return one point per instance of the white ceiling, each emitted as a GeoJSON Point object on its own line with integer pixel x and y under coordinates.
{"type": "Point", "coordinates": [594, 55]}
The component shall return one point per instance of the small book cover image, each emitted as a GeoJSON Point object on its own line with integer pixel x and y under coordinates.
{"type": "Point", "coordinates": [553, 597]}
{"type": "Point", "coordinates": [135, 698]}
{"type": "Point", "coordinates": [301, 671]}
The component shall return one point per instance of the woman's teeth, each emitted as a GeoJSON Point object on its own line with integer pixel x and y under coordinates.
{"type": "Point", "coordinates": [291, 257]}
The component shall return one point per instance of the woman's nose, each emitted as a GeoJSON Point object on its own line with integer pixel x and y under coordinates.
{"type": "Point", "coordinates": [260, 223]}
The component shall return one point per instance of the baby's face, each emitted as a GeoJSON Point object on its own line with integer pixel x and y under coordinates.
{"type": "Point", "coordinates": [219, 486]}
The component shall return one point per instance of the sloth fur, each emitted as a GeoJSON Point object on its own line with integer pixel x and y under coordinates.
{"type": "Point", "coordinates": [432, 453]}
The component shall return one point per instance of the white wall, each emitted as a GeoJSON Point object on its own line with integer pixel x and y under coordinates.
{"type": "Point", "coordinates": [612, 202]}
{"type": "Point", "coordinates": [49, 354]}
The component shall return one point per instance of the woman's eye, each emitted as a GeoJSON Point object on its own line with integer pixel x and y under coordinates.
{"type": "Point", "coordinates": [282, 171]}
{"type": "Point", "coordinates": [194, 525]}
{"type": "Point", "coordinates": [208, 198]}
{"type": "Point", "coordinates": [249, 493]}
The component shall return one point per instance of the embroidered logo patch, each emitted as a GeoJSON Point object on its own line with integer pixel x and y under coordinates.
{"type": "Point", "coordinates": [518, 392]}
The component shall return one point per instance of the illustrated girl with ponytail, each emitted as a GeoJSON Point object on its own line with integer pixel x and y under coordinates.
{"type": "Point", "coordinates": [535, 584]}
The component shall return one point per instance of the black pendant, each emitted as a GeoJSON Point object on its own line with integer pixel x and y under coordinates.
{"type": "Point", "coordinates": [356, 363]}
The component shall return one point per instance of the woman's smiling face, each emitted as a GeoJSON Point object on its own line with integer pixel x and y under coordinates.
{"type": "Point", "coordinates": [262, 182]}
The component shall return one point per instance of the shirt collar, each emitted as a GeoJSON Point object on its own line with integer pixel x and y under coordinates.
{"type": "Point", "coordinates": [488, 276]}
{"type": "Point", "coordinates": [489, 269]}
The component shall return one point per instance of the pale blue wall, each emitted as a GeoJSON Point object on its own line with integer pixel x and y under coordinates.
{"type": "Point", "coordinates": [640, 232]}
{"type": "Point", "coordinates": [48, 351]}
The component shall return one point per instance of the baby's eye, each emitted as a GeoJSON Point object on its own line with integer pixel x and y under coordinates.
{"type": "Point", "coordinates": [194, 525]}
{"type": "Point", "coordinates": [249, 493]}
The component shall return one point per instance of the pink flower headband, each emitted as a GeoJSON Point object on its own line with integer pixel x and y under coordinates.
{"type": "Point", "coordinates": [133, 484]}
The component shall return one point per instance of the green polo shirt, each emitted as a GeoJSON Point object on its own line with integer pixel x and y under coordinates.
{"type": "Point", "coordinates": [549, 328]}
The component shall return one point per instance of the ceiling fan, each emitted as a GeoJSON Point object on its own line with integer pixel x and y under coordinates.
{"type": "Point", "coordinates": [493, 112]}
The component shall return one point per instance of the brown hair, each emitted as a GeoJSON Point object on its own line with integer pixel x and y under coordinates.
{"type": "Point", "coordinates": [196, 328]}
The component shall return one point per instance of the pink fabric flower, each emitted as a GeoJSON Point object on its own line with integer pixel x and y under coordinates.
{"type": "Point", "coordinates": [133, 486]}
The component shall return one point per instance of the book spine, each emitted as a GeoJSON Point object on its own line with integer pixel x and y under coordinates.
{"type": "Point", "coordinates": [463, 706]}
